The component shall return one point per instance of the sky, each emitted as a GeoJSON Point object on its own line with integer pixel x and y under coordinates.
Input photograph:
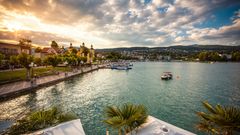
{"type": "Point", "coordinates": [121, 23]}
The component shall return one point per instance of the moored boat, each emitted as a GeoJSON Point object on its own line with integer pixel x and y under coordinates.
{"type": "Point", "coordinates": [121, 66]}
{"type": "Point", "coordinates": [166, 76]}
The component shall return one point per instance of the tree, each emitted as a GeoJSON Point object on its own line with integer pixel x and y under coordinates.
{"type": "Point", "coordinates": [25, 42]}
{"type": "Point", "coordinates": [83, 59]}
{"type": "Point", "coordinates": [126, 118]}
{"type": "Point", "coordinates": [54, 44]}
{"type": "Point", "coordinates": [38, 61]}
{"type": "Point", "coordinates": [85, 50]}
{"type": "Point", "coordinates": [221, 120]}
{"type": "Point", "coordinates": [38, 50]}
{"type": "Point", "coordinates": [1, 58]}
{"type": "Point", "coordinates": [25, 60]}
{"type": "Point", "coordinates": [214, 56]}
{"type": "Point", "coordinates": [53, 60]}
{"type": "Point", "coordinates": [236, 56]}
{"type": "Point", "coordinates": [202, 56]}
{"type": "Point", "coordinates": [74, 51]}
{"type": "Point", "coordinates": [13, 61]}
{"type": "Point", "coordinates": [72, 60]}
{"type": "Point", "coordinates": [45, 61]}
{"type": "Point", "coordinates": [114, 56]}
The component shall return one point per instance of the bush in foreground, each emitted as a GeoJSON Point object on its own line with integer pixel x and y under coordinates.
{"type": "Point", "coordinates": [40, 120]}
{"type": "Point", "coordinates": [220, 120]}
{"type": "Point", "coordinates": [126, 118]}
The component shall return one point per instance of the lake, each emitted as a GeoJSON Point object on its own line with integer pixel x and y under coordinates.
{"type": "Point", "coordinates": [174, 101]}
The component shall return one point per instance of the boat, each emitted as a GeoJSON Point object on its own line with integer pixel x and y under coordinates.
{"type": "Point", "coordinates": [121, 66]}
{"type": "Point", "coordinates": [166, 76]}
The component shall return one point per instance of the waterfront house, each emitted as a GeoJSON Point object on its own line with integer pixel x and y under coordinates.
{"type": "Point", "coordinates": [227, 56]}
{"type": "Point", "coordinates": [9, 49]}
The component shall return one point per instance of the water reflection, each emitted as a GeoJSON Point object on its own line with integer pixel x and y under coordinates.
{"type": "Point", "coordinates": [174, 101]}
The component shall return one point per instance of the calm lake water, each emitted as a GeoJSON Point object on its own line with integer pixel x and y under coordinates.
{"type": "Point", "coordinates": [174, 101]}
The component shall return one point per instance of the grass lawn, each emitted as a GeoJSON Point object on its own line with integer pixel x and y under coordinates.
{"type": "Point", "coordinates": [21, 74]}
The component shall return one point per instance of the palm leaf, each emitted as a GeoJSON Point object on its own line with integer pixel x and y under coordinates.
{"type": "Point", "coordinates": [219, 119]}
{"type": "Point", "coordinates": [209, 107]}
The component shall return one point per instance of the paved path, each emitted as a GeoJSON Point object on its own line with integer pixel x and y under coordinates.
{"type": "Point", "coordinates": [10, 89]}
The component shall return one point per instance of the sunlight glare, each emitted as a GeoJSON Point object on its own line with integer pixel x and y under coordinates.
{"type": "Point", "coordinates": [14, 26]}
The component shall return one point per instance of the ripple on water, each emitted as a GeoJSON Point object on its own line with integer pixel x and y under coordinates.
{"type": "Point", "coordinates": [173, 101]}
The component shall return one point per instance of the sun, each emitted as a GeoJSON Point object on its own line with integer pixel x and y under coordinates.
{"type": "Point", "coordinates": [14, 26]}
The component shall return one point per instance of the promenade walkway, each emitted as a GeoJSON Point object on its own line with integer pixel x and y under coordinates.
{"type": "Point", "coordinates": [11, 89]}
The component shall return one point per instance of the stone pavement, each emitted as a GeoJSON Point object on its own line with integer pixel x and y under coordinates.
{"type": "Point", "coordinates": [11, 89]}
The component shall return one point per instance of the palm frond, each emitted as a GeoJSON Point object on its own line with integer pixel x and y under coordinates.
{"type": "Point", "coordinates": [127, 117]}
{"type": "Point", "coordinates": [221, 119]}
{"type": "Point", "coordinates": [209, 107]}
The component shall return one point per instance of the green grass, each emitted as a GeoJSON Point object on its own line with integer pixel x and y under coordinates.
{"type": "Point", "coordinates": [12, 75]}
{"type": "Point", "coordinates": [21, 74]}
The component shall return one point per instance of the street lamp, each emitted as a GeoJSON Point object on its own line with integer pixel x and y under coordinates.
{"type": "Point", "coordinates": [33, 82]}
{"type": "Point", "coordinates": [65, 63]}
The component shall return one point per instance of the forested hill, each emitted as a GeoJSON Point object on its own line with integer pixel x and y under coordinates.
{"type": "Point", "coordinates": [177, 47]}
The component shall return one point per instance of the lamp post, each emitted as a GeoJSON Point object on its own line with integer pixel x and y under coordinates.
{"type": "Point", "coordinates": [65, 63]}
{"type": "Point", "coordinates": [97, 63]}
{"type": "Point", "coordinates": [33, 82]}
{"type": "Point", "coordinates": [81, 66]}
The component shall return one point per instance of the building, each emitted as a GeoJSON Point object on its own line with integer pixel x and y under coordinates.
{"type": "Point", "coordinates": [91, 55]}
{"type": "Point", "coordinates": [48, 51]}
{"type": "Point", "coordinates": [9, 49]}
{"type": "Point", "coordinates": [85, 52]}
{"type": "Point", "coordinates": [227, 56]}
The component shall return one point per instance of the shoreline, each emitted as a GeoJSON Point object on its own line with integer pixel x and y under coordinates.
{"type": "Point", "coordinates": [7, 95]}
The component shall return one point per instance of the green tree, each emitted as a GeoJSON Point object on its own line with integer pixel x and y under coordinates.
{"type": "Point", "coordinates": [38, 61]}
{"type": "Point", "coordinates": [236, 56]}
{"type": "Point", "coordinates": [74, 51]}
{"type": "Point", "coordinates": [45, 61]}
{"type": "Point", "coordinates": [125, 118]}
{"type": "Point", "coordinates": [38, 50]}
{"type": "Point", "coordinates": [1, 58]}
{"type": "Point", "coordinates": [83, 59]}
{"type": "Point", "coordinates": [72, 60]}
{"type": "Point", "coordinates": [13, 61]}
{"type": "Point", "coordinates": [25, 60]}
{"type": "Point", "coordinates": [53, 60]}
{"type": "Point", "coordinates": [221, 120]}
{"type": "Point", "coordinates": [215, 56]}
{"type": "Point", "coordinates": [202, 56]}
{"type": "Point", "coordinates": [85, 49]}
{"type": "Point", "coordinates": [54, 44]}
{"type": "Point", "coordinates": [114, 56]}
{"type": "Point", "coordinates": [25, 42]}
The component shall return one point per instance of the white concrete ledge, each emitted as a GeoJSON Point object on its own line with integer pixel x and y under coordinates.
{"type": "Point", "coordinates": [73, 127]}
{"type": "Point", "coordinates": [155, 126]}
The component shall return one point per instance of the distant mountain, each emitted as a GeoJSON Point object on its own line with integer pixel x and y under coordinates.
{"type": "Point", "coordinates": [177, 47]}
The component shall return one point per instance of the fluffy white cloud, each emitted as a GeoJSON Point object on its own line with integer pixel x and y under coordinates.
{"type": "Point", "coordinates": [114, 23]}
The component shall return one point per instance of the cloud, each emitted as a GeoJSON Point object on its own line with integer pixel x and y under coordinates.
{"type": "Point", "coordinates": [40, 38]}
{"type": "Point", "coordinates": [113, 23]}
